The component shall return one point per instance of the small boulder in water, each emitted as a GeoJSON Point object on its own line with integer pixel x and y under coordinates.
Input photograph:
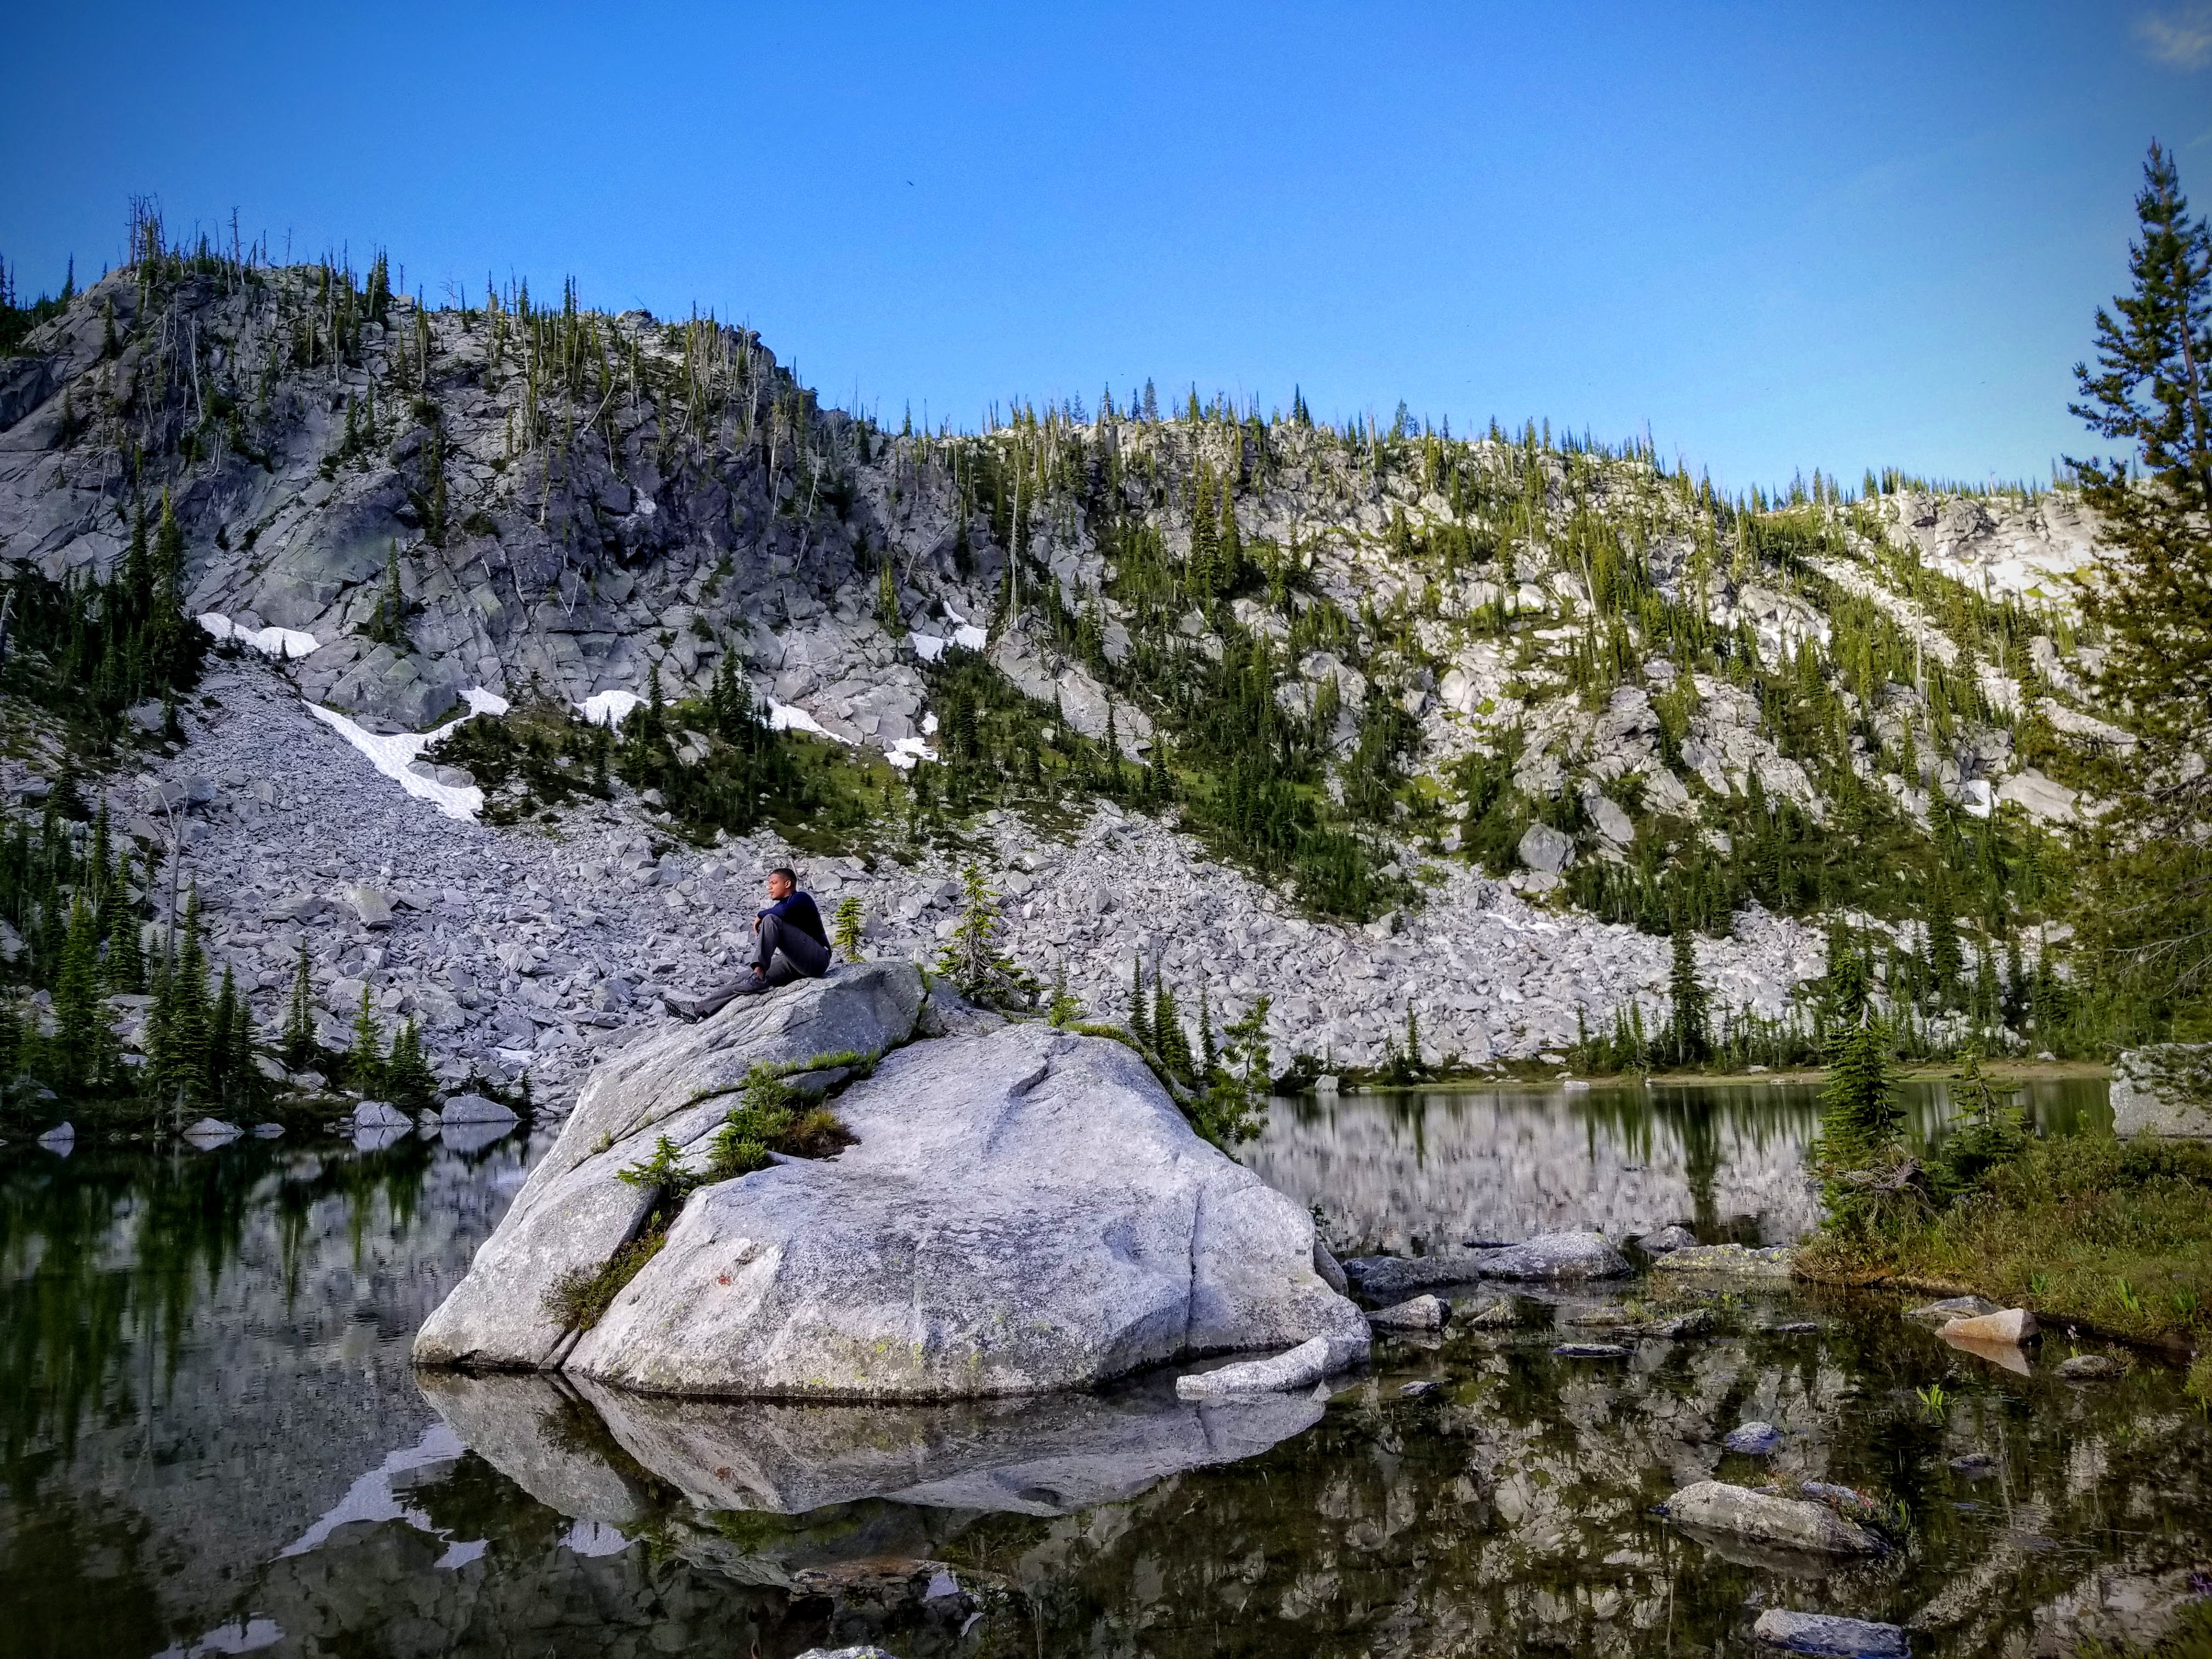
{"type": "Point", "coordinates": [1422, 1313]}
{"type": "Point", "coordinates": [1791, 1523]}
{"type": "Point", "coordinates": [2011, 1325]}
{"type": "Point", "coordinates": [1951, 1308]}
{"type": "Point", "coordinates": [1297, 1368]}
{"type": "Point", "coordinates": [1574, 1256]}
{"type": "Point", "coordinates": [379, 1114]}
{"type": "Point", "coordinates": [1667, 1240]}
{"type": "Point", "coordinates": [2088, 1367]}
{"type": "Point", "coordinates": [1589, 1351]}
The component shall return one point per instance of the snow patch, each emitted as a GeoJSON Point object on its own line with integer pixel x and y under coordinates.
{"type": "Point", "coordinates": [286, 644]}
{"type": "Point", "coordinates": [784, 717]}
{"type": "Point", "coordinates": [393, 757]}
{"type": "Point", "coordinates": [928, 647]}
{"type": "Point", "coordinates": [969, 637]}
{"type": "Point", "coordinates": [482, 701]}
{"type": "Point", "coordinates": [609, 708]}
{"type": "Point", "coordinates": [906, 751]}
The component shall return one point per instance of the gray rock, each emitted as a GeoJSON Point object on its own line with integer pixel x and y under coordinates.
{"type": "Point", "coordinates": [2088, 1367]}
{"type": "Point", "coordinates": [1974, 1465]}
{"type": "Point", "coordinates": [864, 1652]}
{"type": "Point", "coordinates": [1545, 850]}
{"type": "Point", "coordinates": [474, 1109]}
{"type": "Point", "coordinates": [1830, 1637]}
{"type": "Point", "coordinates": [1495, 1315]}
{"type": "Point", "coordinates": [1563, 1257]}
{"type": "Point", "coordinates": [1753, 1439]}
{"type": "Point", "coordinates": [1790, 1523]}
{"type": "Point", "coordinates": [372, 904]}
{"type": "Point", "coordinates": [1295, 1367]}
{"type": "Point", "coordinates": [1421, 1313]}
{"type": "Point", "coordinates": [1589, 1351]}
{"type": "Point", "coordinates": [1667, 1240]}
{"type": "Point", "coordinates": [212, 1132]}
{"type": "Point", "coordinates": [268, 1130]}
{"type": "Point", "coordinates": [375, 1115]}
{"type": "Point", "coordinates": [1951, 1308]}
{"type": "Point", "coordinates": [1331, 1274]}
{"type": "Point", "coordinates": [59, 1138]}
{"type": "Point", "coordinates": [1026, 1168]}
{"type": "Point", "coordinates": [574, 1211]}
{"type": "Point", "coordinates": [1775, 1261]}
{"type": "Point", "coordinates": [1392, 1277]}
{"type": "Point", "coordinates": [2164, 1089]}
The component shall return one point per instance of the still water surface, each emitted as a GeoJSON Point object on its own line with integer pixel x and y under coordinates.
{"type": "Point", "coordinates": [214, 1443]}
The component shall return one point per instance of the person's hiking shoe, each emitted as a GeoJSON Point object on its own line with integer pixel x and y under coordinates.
{"type": "Point", "coordinates": [682, 1006]}
{"type": "Point", "coordinates": [752, 984]}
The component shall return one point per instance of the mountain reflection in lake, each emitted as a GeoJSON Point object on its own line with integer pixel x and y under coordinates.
{"type": "Point", "coordinates": [214, 1443]}
{"type": "Point", "coordinates": [1428, 1169]}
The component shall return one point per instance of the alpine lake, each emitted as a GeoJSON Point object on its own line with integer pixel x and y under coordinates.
{"type": "Point", "coordinates": [215, 1442]}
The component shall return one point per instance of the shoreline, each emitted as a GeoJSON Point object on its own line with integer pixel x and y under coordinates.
{"type": "Point", "coordinates": [2002, 1071]}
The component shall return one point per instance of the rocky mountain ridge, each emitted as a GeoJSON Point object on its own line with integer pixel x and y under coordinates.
{"type": "Point", "coordinates": [1499, 686]}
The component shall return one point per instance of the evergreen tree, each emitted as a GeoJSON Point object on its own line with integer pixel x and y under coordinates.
{"type": "Point", "coordinates": [973, 959]}
{"type": "Point", "coordinates": [178, 1032]}
{"type": "Point", "coordinates": [2149, 390]}
{"type": "Point", "coordinates": [298, 1043]}
{"type": "Point", "coordinates": [846, 928]}
{"type": "Point", "coordinates": [1946, 958]}
{"type": "Point", "coordinates": [365, 1059]}
{"type": "Point", "coordinates": [408, 1082]}
{"type": "Point", "coordinates": [1140, 1018]}
{"type": "Point", "coordinates": [79, 1019]}
{"type": "Point", "coordinates": [1688, 1026]}
{"type": "Point", "coordinates": [169, 657]}
{"type": "Point", "coordinates": [1859, 1111]}
{"type": "Point", "coordinates": [1065, 1008]}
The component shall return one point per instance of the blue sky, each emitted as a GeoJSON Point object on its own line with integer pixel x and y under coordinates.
{"type": "Point", "coordinates": [1778, 236]}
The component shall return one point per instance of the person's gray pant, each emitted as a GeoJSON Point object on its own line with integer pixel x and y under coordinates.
{"type": "Point", "coordinates": [782, 954]}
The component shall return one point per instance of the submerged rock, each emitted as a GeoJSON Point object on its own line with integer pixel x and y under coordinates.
{"type": "Point", "coordinates": [2088, 1367]}
{"type": "Point", "coordinates": [1775, 1261]}
{"type": "Point", "coordinates": [1950, 1308]}
{"type": "Point", "coordinates": [1829, 1637]}
{"type": "Point", "coordinates": [1789, 1523]}
{"type": "Point", "coordinates": [1589, 1351]}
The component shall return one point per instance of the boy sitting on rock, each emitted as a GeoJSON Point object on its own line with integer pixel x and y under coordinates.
{"type": "Point", "coordinates": [789, 943]}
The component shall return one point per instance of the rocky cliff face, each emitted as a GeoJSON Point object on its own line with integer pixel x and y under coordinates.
{"type": "Point", "coordinates": [1505, 683]}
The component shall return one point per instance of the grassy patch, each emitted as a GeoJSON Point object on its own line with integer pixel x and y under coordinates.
{"type": "Point", "coordinates": [580, 1297]}
{"type": "Point", "coordinates": [2114, 1233]}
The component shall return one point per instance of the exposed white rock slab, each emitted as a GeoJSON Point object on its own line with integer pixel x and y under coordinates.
{"type": "Point", "coordinates": [575, 1211]}
{"type": "Point", "coordinates": [1296, 1368]}
{"type": "Point", "coordinates": [1789, 1523]}
{"type": "Point", "coordinates": [1024, 1211]}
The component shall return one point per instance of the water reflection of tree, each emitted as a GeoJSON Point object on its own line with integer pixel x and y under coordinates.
{"type": "Point", "coordinates": [105, 1257]}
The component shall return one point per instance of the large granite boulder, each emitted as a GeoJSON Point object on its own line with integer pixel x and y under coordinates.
{"type": "Point", "coordinates": [2164, 1089]}
{"type": "Point", "coordinates": [574, 1211]}
{"type": "Point", "coordinates": [1025, 1210]}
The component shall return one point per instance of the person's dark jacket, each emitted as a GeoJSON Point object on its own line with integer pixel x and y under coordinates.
{"type": "Point", "coordinates": [796, 909]}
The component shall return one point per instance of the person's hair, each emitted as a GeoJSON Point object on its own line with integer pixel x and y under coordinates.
{"type": "Point", "coordinates": [786, 872]}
